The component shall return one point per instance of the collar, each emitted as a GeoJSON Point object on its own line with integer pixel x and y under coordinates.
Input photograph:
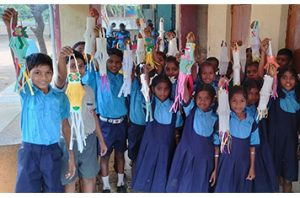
{"type": "Point", "coordinates": [289, 94]}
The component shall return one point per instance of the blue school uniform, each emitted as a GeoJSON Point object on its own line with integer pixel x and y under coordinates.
{"type": "Point", "coordinates": [113, 111]}
{"type": "Point", "coordinates": [234, 166]}
{"type": "Point", "coordinates": [39, 156]}
{"type": "Point", "coordinates": [156, 150]}
{"type": "Point", "coordinates": [265, 176]}
{"type": "Point", "coordinates": [284, 122]}
{"type": "Point", "coordinates": [193, 160]}
{"type": "Point", "coordinates": [137, 117]}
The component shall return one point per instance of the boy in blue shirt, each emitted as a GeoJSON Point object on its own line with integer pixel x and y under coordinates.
{"type": "Point", "coordinates": [39, 157]}
{"type": "Point", "coordinates": [42, 116]}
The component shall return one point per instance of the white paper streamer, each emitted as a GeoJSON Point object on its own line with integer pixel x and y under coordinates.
{"type": "Point", "coordinates": [224, 59]}
{"type": "Point", "coordinates": [161, 35]}
{"type": "Point", "coordinates": [89, 35]}
{"type": "Point", "coordinates": [236, 67]}
{"type": "Point", "coordinates": [127, 69]}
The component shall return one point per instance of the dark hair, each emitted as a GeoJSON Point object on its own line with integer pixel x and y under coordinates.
{"type": "Point", "coordinates": [286, 52]}
{"type": "Point", "coordinates": [213, 60]}
{"type": "Point", "coordinates": [37, 59]}
{"type": "Point", "coordinates": [236, 89]}
{"type": "Point", "coordinates": [113, 23]}
{"type": "Point", "coordinates": [77, 55]}
{"type": "Point", "coordinates": [77, 44]}
{"type": "Point", "coordinates": [172, 59]}
{"type": "Point", "coordinates": [249, 50]}
{"type": "Point", "coordinates": [206, 87]}
{"type": "Point", "coordinates": [162, 54]}
{"type": "Point", "coordinates": [122, 25]}
{"type": "Point", "coordinates": [207, 63]}
{"type": "Point", "coordinates": [159, 79]}
{"type": "Point", "coordinates": [281, 72]}
{"type": "Point", "coordinates": [115, 51]}
{"type": "Point", "coordinates": [254, 63]}
{"type": "Point", "coordinates": [251, 84]}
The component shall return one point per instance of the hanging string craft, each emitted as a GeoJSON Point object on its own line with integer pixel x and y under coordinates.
{"type": "Point", "coordinates": [224, 59]}
{"type": "Point", "coordinates": [101, 58]}
{"type": "Point", "coordinates": [89, 38]}
{"type": "Point", "coordinates": [127, 71]}
{"type": "Point", "coordinates": [146, 93]}
{"type": "Point", "coordinates": [269, 86]}
{"type": "Point", "coordinates": [236, 64]}
{"type": "Point", "coordinates": [255, 41]}
{"type": "Point", "coordinates": [75, 92]}
{"type": "Point", "coordinates": [19, 45]}
{"type": "Point", "coordinates": [186, 62]}
{"type": "Point", "coordinates": [161, 34]}
{"type": "Point", "coordinates": [149, 47]}
{"type": "Point", "coordinates": [224, 115]}
{"type": "Point", "coordinates": [172, 44]}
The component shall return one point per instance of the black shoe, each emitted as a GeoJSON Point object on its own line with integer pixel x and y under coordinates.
{"type": "Point", "coordinates": [106, 191]}
{"type": "Point", "coordinates": [121, 189]}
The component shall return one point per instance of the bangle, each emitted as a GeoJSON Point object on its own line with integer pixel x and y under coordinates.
{"type": "Point", "coordinates": [216, 156]}
{"type": "Point", "coordinates": [252, 153]}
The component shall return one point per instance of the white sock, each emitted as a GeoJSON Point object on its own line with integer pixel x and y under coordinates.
{"type": "Point", "coordinates": [105, 182]}
{"type": "Point", "coordinates": [120, 179]}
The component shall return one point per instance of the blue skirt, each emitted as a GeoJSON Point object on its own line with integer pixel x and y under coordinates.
{"type": "Point", "coordinates": [234, 168]}
{"type": "Point", "coordinates": [193, 161]}
{"type": "Point", "coordinates": [154, 157]}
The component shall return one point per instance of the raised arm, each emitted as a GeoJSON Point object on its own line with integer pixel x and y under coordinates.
{"type": "Point", "coordinates": [62, 66]}
{"type": "Point", "coordinates": [263, 47]}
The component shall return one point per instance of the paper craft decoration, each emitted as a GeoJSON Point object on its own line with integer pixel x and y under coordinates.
{"type": "Point", "coordinates": [90, 38]}
{"type": "Point", "coordinates": [255, 42]}
{"type": "Point", "coordinates": [186, 62]}
{"type": "Point", "coordinates": [236, 64]}
{"type": "Point", "coordinates": [224, 115]}
{"type": "Point", "coordinates": [19, 45]}
{"type": "Point", "coordinates": [140, 51]}
{"type": "Point", "coordinates": [161, 34]}
{"type": "Point", "coordinates": [172, 44]}
{"type": "Point", "coordinates": [149, 47]}
{"type": "Point", "coordinates": [75, 92]}
{"type": "Point", "coordinates": [127, 71]}
{"type": "Point", "coordinates": [224, 59]}
{"type": "Point", "coordinates": [101, 58]}
{"type": "Point", "coordinates": [243, 57]}
{"type": "Point", "coordinates": [145, 91]}
{"type": "Point", "coordinates": [270, 85]}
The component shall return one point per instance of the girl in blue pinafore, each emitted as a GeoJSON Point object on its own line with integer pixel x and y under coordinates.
{"type": "Point", "coordinates": [236, 169]}
{"type": "Point", "coordinates": [158, 143]}
{"type": "Point", "coordinates": [283, 124]}
{"type": "Point", "coordinates": [195, 161]}
{"type": "Point", "coordinates": [265, 179]}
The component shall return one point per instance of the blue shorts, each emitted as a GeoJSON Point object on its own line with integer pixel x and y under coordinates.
{"type": "Point", "coordinates": [38, 168]}
{"type": "Point", "coordinates": [135, 135]}
{"type": "Point", "coordinates": [114, 136]}
{"type": "Point", "coordinates": [87, 165]}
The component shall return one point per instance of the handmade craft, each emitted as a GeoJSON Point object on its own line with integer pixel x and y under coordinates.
{"type": "Point", "coordinates": [172, 44]}
{"type": "Point", "coordinates": [224, 59]}
{"type": "Point", "coordinates": [149, 47]}
{"type": "Point", "coordinates": [186, 62]}
{"type": "Point", "coordinates": [224, 115]}
{"type": "Point", "coordinates": [161, 34]}
{"type": "Point", "coordinates": [90, 38]}
{"type": "Point", "coordinates": [127, 71]}
{"type": "Point", "coordinates": [145, 91]}
{"type": "Point", "coordinates": [19, 45]}
{"type": "Point", "coordinates": [101, 57]}
{"type": "Point", "coordinates": [75, 93]}
{"type": "Point", "coordinates": [255, 42]}
{"type": "Point", "coordinates": [269, 86]}
{"type": "Point", "coordinates": [236, 64]}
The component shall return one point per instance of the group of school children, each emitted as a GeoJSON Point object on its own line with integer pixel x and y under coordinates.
{"type": "Point", "coordinates": [174, 152]}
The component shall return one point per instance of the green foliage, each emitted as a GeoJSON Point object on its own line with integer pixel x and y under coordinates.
{"type": "Point", "coordinates": [24, 12]}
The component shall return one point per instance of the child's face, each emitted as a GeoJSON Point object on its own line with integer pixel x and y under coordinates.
{"type": "Point", "coordinates": [252, 72]}
{"type": "Point", "coordinates": [288, 81]}
{"type": "Point", "coordinates": [41, 77]}
{"type": "Point", "coordinates": [207, 74]}
{"type": "Point", "coordinates": [282, 60]}
{"type": "Point", "coordinates": [203, 100]}
{"type": "Point", "coordinates": [80, 48]}
{"type": "Point", "coordinates": [160, 63]}
{"type": "Point", "coordinates": [252, 96]}
{"type": "Point", "coordinates": [162, 91]}
{"type": "Point", "coordinates": [81, 66]}
{"type": "Point", "coordinates": [172, 70]}
{"type": "Point", "coordinates": [114, 64]}
{"type": "Point", "coordinates": [238, 103]}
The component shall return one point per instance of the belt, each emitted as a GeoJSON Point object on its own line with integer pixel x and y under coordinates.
{"type": "Point", "coordinates": [111, 120]}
